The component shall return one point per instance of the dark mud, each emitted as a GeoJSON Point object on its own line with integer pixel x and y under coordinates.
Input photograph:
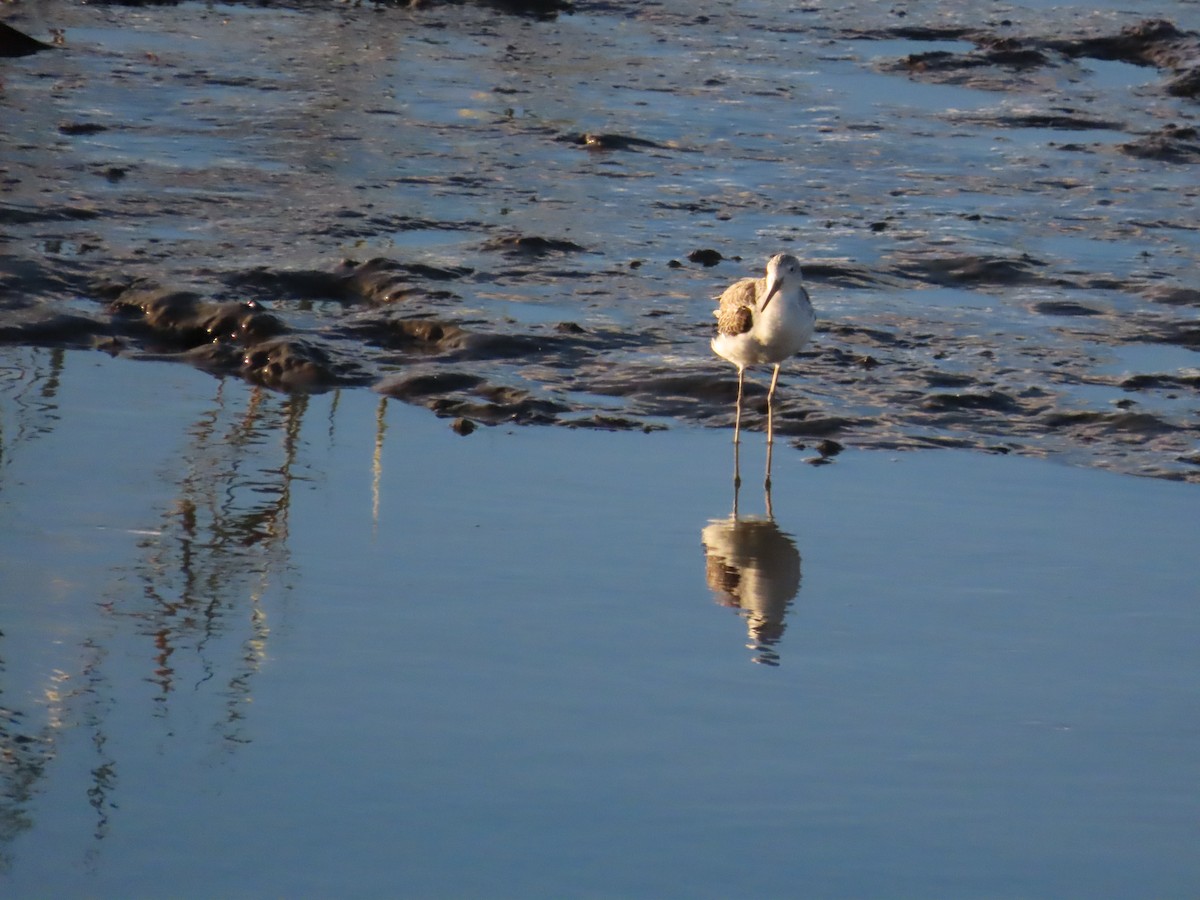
{"type": "Point", "coordinates": [523, 218]}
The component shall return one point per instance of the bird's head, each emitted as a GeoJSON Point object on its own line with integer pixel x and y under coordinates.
{"type": "Point", "coordinates": [782, 268]}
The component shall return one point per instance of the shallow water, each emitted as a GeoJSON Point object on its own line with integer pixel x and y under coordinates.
{"type": "Point", "coordinates": [244, 152]}
{"type": "Point", "coordinates": [261, 645]}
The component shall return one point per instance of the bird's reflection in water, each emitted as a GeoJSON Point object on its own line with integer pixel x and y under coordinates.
{"type": "Point", "coordinates": [751, 565]}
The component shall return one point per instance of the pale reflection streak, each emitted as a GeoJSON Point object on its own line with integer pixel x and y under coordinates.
{"type": "Point", "coordinates": [377, 459]}
{"type": "Point", "coordinates": [753, 566]}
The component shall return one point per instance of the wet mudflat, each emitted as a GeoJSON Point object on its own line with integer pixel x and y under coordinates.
{"type": "Point", "coordinates": [523, 218]}
{"type": "Point", "coordinates": [270, 645]}
{"type": "Point", "coordinates": [270, 627]}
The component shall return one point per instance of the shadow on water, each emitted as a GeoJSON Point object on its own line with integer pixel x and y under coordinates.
{"type": "Point", "coordinates": [753, 566]}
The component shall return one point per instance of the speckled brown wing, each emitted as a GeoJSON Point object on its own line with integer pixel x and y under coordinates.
{"type": "Point", "coordinates": [736, 312]}
{"type": "Point", "coordinates": [735, 320]}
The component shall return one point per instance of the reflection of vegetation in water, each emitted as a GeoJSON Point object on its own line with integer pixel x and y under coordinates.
{"type": "Point", "coordinates": [23, 759]}
{"type": "Point", "coordinates": [204, 572]}
{"type": "Point", "coordinates": [196, 590]}
{"type": "Point", "coordinates": [220, 546]}
{"type": "Point", "coordinates": [31, 385]}
{"type": "Point", "coordinates": [26, 751]}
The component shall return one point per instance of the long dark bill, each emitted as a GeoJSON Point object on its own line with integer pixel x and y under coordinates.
{"type": "Point", "coordinates": [770, 294]}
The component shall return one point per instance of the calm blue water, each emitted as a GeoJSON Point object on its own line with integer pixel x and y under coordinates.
{"type": "Point", "coordinates": [261, 646]}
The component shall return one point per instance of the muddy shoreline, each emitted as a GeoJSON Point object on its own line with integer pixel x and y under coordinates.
{"type": "Point", "coordinates": [523, 218]}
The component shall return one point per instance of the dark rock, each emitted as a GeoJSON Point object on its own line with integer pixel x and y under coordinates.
{"type": "Point", "coordinates": [609, 142]}
{"type": "Point", "coordinates": [15, 43]}
{"type": "Point", "coordinates": [1065, 308]}
{"type": "Point", "coordinates": [705, 257]}
{"type": "Point", "coordinates": [829, 447]}
{"type": "Point", "coordinates": [81, 128]}
{"type": "Point", "coordinates": [462, 426]}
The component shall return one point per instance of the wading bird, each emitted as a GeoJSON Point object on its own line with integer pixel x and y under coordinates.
{"type": "Point", "coordinates": [764, 321]}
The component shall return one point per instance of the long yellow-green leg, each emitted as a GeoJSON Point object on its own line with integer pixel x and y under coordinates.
{"type": "Point", "coordinates": [771, 407]}
{"type": "Point", "coordinates": [737, 419]}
